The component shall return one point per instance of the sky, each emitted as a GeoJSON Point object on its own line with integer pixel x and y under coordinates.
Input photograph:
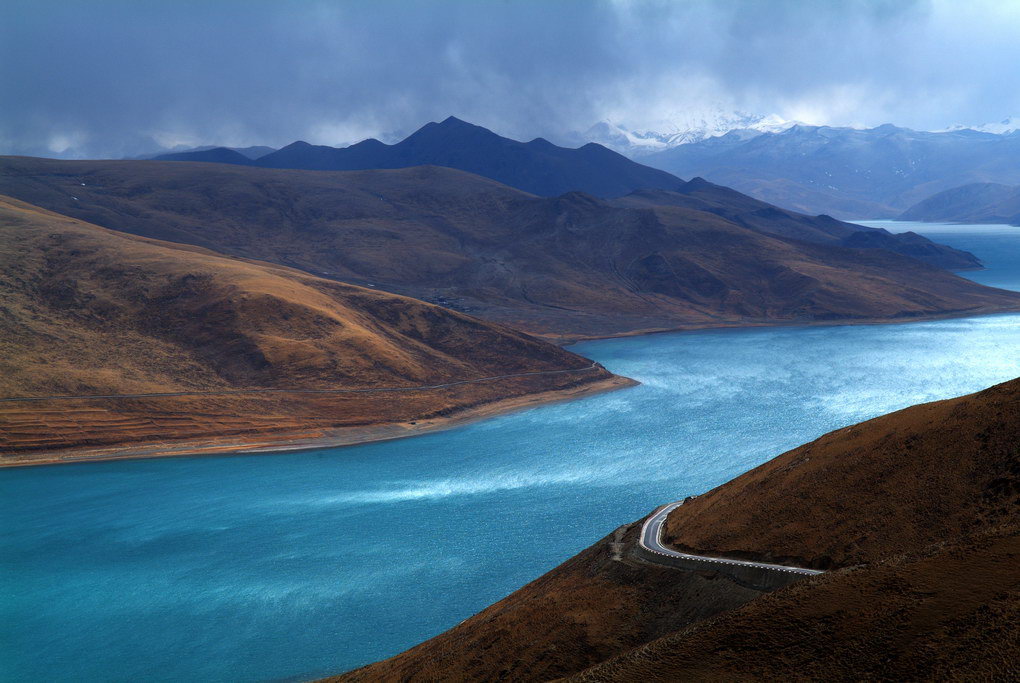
{"type": "Point", "coordinates": [112, 78]}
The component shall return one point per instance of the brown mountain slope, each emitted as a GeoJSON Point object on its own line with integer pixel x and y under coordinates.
{"type": "Point", "coordinates": [924, 502]}
{"type": "Point", "coordinates": [904, 480]}
{"type": "Point", "coordinates": [89, 311]}
{"type": "Point", "coordinates": [569, 266]}
{"type": "Point", "coordinates": [950, 612]}
{"type": "Point", "coordinates": [701, 195]}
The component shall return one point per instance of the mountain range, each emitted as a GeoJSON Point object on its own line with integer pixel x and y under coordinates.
{"type": "Point", "coordinates": [913, 515]}
{"type": "Point", "coordinates": [565, 267]}
{"type": "Point", "coordinates": [846, 172]}
{"type": "Point", "coordinates": [679, 129]}
{"type": "Point", "coordinates": [538, 166]}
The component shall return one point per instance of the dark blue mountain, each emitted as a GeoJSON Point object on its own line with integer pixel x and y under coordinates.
{"type": "Point", "coordinates": [538, 167]}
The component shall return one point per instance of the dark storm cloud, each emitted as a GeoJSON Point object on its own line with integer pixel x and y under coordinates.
{"type": "Point", "coordinates": [108, 78]}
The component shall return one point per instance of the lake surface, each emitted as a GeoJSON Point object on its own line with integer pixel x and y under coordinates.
{"type": "Point", "coordinates": [255, 568]}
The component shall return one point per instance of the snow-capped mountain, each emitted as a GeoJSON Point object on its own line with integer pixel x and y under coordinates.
{"type": "Point", "coordinates": [1010, 124]}
{"type": "Point", "coordinates": [680, 129]}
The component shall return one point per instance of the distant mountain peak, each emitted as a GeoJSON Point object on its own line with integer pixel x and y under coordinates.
{"type": "Point", "coordinates": [453, 123]}
{"type": "Point", "coordinates": [697, 182]}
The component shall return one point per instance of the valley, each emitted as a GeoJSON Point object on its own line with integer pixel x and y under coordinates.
{"type": "Point", "coordinates": [305, 541]}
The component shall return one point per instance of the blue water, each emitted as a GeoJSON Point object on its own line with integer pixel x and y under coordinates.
{"type": "Point", "coordinates": [257, 568]}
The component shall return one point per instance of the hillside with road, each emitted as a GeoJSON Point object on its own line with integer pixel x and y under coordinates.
{"type": "Point", "coordinates": [907, 521]}
{"type": "Point", "coordinates": [186, 344]}
{"type": "Point", "coordinates": [564, 267]}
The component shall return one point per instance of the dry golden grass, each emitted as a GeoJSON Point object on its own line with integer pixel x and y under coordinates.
{"type": "Point", "coordinates": [89, 311]}
{"type": "Point", "coordinates": [947, 613]}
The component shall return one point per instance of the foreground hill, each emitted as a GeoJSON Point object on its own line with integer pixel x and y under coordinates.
{"type": "Point", "coordinates": [846, 172]}
{"type": "Point", "coordinates": [538, 167]}
{"type": "Point", "coordinates": [88, 311]}
{"type": "Point", "coordinates": [914, 514]}
{"type": "Point", "coordinates": [565, 267]}
{"type": "Point", "coordinates": [974, 203]}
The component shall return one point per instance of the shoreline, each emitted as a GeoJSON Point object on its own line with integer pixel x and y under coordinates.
{"type": "Point", "coordinates": [296, 441]}
{"type": "Point", "coordinates": [569, 340]}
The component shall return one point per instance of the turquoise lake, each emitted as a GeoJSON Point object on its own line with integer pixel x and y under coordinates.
{"type": "Point", "coordinates": [286, 567]}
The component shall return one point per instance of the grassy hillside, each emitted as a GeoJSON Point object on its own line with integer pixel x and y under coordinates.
{"type": "Point", "coordinates": [570, 266]}
{"type": "Point", "coordinates": [90, 311]}
{"type": "Point", "coordinates": [915, 513]}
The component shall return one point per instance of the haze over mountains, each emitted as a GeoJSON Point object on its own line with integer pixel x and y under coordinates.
{"type": "Point", "coordinates": [566, 267]}
{"type": "Point", "coordinates": [846, 172]}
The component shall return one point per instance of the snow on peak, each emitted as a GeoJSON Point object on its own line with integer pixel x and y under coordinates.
{"type": "Point", "coordinates": [1008, 125]}
{"type": "Point", "coordinates": [680, 129]}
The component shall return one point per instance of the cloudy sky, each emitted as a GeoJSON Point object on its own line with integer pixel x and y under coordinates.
{"type": "Point", "coordinates": [120, 77]}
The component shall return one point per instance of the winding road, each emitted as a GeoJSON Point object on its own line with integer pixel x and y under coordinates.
{"type": "Point", "coordinates": [651, 540]}
{"type": "Point", "coordinates": [235, 392]}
